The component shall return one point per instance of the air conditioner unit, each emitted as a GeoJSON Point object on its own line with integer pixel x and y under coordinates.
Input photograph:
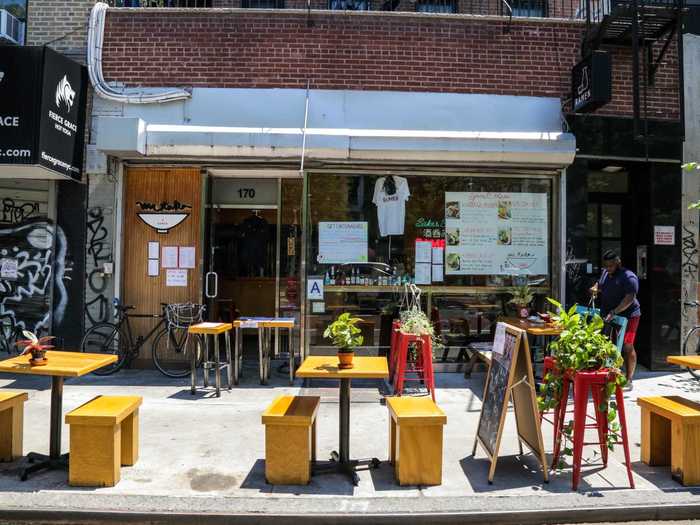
{"type": "Point", "coordinates": [11, 28]}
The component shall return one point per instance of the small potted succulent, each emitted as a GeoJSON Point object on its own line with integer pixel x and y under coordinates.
{"type": "Point", "coordinates": [346, 336]}
{"type": "Point", "coordinates": [35, 346]}
{"type": "Point", "coordinates": [521, 297]}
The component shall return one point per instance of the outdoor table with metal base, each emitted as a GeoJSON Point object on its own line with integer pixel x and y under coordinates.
{"type": "Point", "coordinates": [326, 367]}
{"type": "Point", "coordinates": [265, 327]}
{"type": "Point", "coordinates": [688, 361]}
{"type": "Point", "coordinates": [58, 365]}
{"type": "Point", "coordinates": [214, 330]}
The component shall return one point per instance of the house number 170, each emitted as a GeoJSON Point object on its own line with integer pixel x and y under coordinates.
{"type": "Point", "coordinates": [246, 193]}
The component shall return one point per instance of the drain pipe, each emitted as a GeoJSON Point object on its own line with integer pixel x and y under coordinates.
{"type": "Point", "coordinates": [95, 40]}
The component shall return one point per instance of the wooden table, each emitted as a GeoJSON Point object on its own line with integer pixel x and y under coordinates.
{"type": "Point", "coordinates": [688, 361]}
{"type": "Point", "coordinates": [59, 365]}
{"type": "Point", "coordinates": [264, 326]}
{"type": "Point", "coordinates": [326, 367]}
{"type": "Point", "coordinates": [536, 329]}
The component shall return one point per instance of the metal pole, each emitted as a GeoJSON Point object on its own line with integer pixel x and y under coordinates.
{"type": "Point", "coordinates": [344, 420]}
{"type": "Point", "coordinates": [56, 416]}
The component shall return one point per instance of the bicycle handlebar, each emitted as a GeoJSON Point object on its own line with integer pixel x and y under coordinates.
{"type": "Point", "coordinates": [692, 304]}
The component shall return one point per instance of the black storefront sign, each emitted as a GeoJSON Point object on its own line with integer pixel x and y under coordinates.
{"type": "Point", "coordinates": [591, 82]}
{"type": "Point", "coordinates": [42, 111]}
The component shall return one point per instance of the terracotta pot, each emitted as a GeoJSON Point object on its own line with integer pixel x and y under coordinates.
{"type": "Point", "coordinates": [523, 311]}
{"type": "Point", "coordinates": [38, 358]}
{"type": "Point", "coordinates": [345, 360]}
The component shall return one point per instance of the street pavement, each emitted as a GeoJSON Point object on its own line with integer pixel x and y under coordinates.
{"type": "Point", "coordinates": [202, 454]}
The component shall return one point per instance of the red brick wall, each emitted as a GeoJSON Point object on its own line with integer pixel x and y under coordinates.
{"type": "Point", "coordinates": [224, 48]}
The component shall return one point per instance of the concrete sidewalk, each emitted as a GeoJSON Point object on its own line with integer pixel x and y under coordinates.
{"type": "Point", "coordinates": [201, 454]}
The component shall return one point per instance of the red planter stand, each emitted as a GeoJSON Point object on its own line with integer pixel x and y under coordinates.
{"type": "Point", "coordinates": [423, 367]}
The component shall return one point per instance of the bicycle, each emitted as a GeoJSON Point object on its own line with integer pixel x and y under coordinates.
{"type": "Point", "coordinates": [695, 331]}
{"type": "Point", "coordinates": [172, 344]}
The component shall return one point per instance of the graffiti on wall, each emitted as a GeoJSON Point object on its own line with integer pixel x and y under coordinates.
{"type": "Point", "coordinates": [689, 263]}
{"type": "Point", "coordinates": [39, 250]}
{"type": "Point", "coordinates": [99, 251]}
{"type": "Point", "coordinates": [12, 212]}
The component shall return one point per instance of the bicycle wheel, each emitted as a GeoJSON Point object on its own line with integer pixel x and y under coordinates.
{"type": "Point", "coordinates": [691, 347]}
{"type": "Point", "coordinates": [106, 338]}
{"type": "Point", "coordinates": [172, 352]}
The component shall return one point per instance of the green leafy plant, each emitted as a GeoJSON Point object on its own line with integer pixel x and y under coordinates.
{"type": "Point", "coordinates": [582, 347]}
{"type": "Point", "coordinates": [521, 295]}
{"type": "Point", "coordinates": [344, 333]}
{"type": "Point", "coordinates": [414, 321]}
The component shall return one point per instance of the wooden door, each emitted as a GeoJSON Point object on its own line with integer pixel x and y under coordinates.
{"type": "Point", "coordinates": [158, 190]}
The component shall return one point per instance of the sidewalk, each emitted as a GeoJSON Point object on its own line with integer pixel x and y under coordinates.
{"type": "Point", "coordinates": [200, 454]}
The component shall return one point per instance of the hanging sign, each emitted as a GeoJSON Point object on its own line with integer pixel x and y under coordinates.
{"type": "Point", "coordinates": [43, 95]}
{"type": "Point", "coordinates": [591, 82]}
{"type": "Point", "coordinates": [163, 216]}
{"type": "Point", "coordinates": [510, 379]}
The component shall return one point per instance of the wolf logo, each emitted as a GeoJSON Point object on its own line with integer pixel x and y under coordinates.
{"type": "Point", "coordinates": [64, 94]}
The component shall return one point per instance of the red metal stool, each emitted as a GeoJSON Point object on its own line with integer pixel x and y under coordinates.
{"type": "Point", "coordinates": [559, 411]}
{"type": "Point", "coordinates": [422, 367]}
{"type": "Point", "coordinates": [393, 349]}
{"type": "Point", "coordinates": [592, 383]}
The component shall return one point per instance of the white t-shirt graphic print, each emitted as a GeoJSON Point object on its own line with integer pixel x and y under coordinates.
{"type": "Point", "coordinates": [391, 209]}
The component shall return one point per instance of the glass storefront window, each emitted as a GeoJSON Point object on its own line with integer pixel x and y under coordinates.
{"type": "Point", "coordinates": [462, 239]}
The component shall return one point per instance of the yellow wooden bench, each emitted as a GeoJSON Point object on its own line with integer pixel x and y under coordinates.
{"type": "Point", "coordinates": [671, 436]}
{"type": "Point", "coordinates": [415, 440]}
{"type": "Point", "coordinates": [11, 423]}
{"type": "Point", "coordinates": [104, 434]}
{"type": "Point", "coordinates": [290, 439]}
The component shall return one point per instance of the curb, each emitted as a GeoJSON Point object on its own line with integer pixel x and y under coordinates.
{"type": "Point", "coordinates": [533, 517]}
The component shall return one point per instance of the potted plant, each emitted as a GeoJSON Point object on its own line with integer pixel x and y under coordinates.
{"type": "Point", "coordinates": [521, 297]}
{"type": "Point", "coordinates": [345, 336]}
{"type": "Point", "coordinates": [582, 347]}
{"type": "Point", "coordinates": [415, 322]}
{"type": "Point", "coordinates": [35, 346]}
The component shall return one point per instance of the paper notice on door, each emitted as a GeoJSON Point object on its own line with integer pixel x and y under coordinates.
{"type": "Point", "coordinates": [499, 338]}
{"type": "Point", "coordinates": [423, 251]}
{"type": "Point", "coordinates": [176, 278]}
{"type": "Point", "coordinates": [153, 269]}
{"type": "Point", "coordinates": [153, 250]}
{"type": "Point", "coordinates": [438, 255]}
{"type": "Point", "coordinates": [187, 257]}
{"type": "Point", "coordinates": [170, 257]}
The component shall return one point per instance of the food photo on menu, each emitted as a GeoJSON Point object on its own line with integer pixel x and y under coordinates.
{"type": "Point", "coordinates": [505, 236]}
{"type": "Point", "coordinates": [452, 210]}
{"type": "Point", "coordinates": [452, 235]}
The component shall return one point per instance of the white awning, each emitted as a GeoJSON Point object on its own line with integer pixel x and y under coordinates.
{"type": "Point", "coordinates": [342, 125]}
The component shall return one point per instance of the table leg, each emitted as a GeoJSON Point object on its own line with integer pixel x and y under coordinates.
{"type": "Point", "coordinates": [217, 366]}
{"type": "Point", "coordinates": [229, 364]}
{"type": "Point", "coordinates": [290, 344]}
{"type": "Point", "coordinates": [193, 369]}
{"type": "Point", "coordinates": [54, 460]}
{"type": "Point", "coordinates": [236, 353]}
{"type": "Point", "coordinates": [344, 420]}
{"type": "Point", "coordinates": [205, 363]}
{"type": "Point", "coordinates": [261, 352]}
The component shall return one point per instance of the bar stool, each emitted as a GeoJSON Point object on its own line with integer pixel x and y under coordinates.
{"type": "Point", "coordinates": [592, 383]}
{"type": "Point", "coordinates": [393, 349]}
{"type": "Point", "coordinates": [559, 411]}
{"type": "Point", "coordinates": [423, 365]}
{"type": "Point", "coordinates": [214, 330]}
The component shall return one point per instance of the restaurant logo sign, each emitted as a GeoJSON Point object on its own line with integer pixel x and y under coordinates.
{"type": "Point", "coordinates": [164, 216]}
{"type": "Point", "coordinates": [591, 82]}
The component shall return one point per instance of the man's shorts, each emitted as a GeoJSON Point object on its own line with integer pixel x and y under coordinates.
{"type": "Point", "coordinates": [631, 333]}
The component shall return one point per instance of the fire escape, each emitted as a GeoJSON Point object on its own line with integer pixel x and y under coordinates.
{"type": "Point", "coordinates": [648, 27]}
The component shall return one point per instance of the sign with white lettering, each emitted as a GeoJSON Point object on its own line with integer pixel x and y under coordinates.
{"type": "Point", "coordinates": [591, 82]}
{"type": "Point", "coordinates": [42, 111]}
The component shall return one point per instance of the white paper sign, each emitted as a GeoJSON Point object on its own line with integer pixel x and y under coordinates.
{"type": "Point", "coordinates": [438, 255]}
{"type": "Point", "coordinates": [423, 275]}
{"type": "Point", "coordinates": [153, 269]}
{"type": "Point", "coordinates": [665, 235]}
{"type": "Point", "coordinates": [314, 288]}
{"type": "Point", "coordinates": [492, 233]}
{"type": "Point", "coordinates": [499, 338]}
{"type": "Point", "coordinates": [8, 268]}
{"type": "Point", "coordinates": [170, 257]}
{"type": "Point", "coordinates": [186, 257]}
{"type": "Point", "coordinates": [153, 250]}
{"type": "Point", "coordinates": [424, 251]}
{"type": "Point", "coordinates": [176, 277]}
{"type": "Point", "coordinates": [438, 273]}
{"type": "Point", "coordinates": [342, 242]}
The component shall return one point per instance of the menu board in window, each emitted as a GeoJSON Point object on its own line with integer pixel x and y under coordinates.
{"type": "Point", "coordinates": [492, 233]}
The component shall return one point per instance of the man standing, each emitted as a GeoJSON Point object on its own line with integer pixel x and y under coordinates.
{"type": "Point", "coordinates": [618, 288]}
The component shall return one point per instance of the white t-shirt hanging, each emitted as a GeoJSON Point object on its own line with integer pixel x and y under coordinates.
{"type": "Point", "coordinates": [391, 209]}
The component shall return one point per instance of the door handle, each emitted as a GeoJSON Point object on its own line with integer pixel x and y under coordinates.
{"type": "Point", "coordinates": [207, 289]}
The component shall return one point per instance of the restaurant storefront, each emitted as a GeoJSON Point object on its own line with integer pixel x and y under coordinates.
{"type": "Point", "coordinates": [381, 202]}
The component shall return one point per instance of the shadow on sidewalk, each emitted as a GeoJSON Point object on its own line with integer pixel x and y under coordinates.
{"type": "Point", "coordinates": [324, 485]}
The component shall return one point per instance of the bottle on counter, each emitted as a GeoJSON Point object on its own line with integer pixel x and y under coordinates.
{"type": "Point", "coordinates": [332, 282]}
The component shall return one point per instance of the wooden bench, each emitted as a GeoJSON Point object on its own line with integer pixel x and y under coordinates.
{"type": "Point", "coordinates": [104, 434]}
{"type": "Point", "coordinates": [11, 424]}
{"type": "Point", "coordinates": [415, 440]}
{"type": "Point", "coordinates": [290, 439]}
{"type": "Point", "coordinates": [671, 436]}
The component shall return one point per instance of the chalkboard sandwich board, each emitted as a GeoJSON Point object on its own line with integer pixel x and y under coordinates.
{"type": "Point", "coordinates": [510, 378]}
